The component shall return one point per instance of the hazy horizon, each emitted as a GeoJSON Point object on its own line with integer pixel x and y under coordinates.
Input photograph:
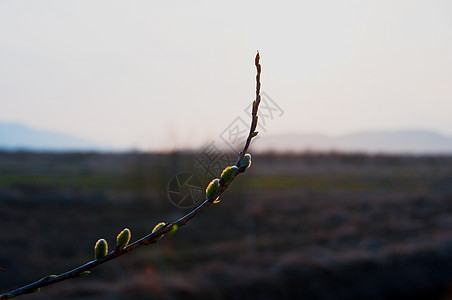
{"type": "Point", "coordinates": [15, 137]}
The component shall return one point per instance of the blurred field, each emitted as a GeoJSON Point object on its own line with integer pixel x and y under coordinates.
{"type": "Point", "coordinates": [312, 226]}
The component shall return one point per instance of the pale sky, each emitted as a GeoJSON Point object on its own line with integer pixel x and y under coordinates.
{"type": "Point", "coordinates": [170, 74]}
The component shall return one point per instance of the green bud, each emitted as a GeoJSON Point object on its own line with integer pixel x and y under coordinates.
{"type": "Point", "coordinates": [33, 291]}
{"type": "Point", "coordinates": [158, 226]}
{"type": "Point", "coordinates": [212, 188]}
{"type": "Point", "coordinates": [100, 249]}
{"type": "Point", "coordinates": [173, 229]}
{"type": "Point", "coordinates": [228, 175]}
{"type": "Point", "coordinates": [123, 239]}
{"type": "Point", "coordinates": [84, 273]}
{"type": "Point", "coordinates": [245, 162]}
{"type": "Point", "coordinates": [49, 277]}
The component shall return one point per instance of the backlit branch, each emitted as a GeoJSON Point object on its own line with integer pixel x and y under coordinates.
{"type": "Point", "coordinates": [214, 190]}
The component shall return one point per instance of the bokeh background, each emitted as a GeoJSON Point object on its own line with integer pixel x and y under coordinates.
{"type": "Point", "coordinates": [314, 226]}
{"type": "Point", "coordinates": [349, 196]}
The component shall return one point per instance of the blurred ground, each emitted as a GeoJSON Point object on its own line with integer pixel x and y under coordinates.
{"type": "Point", "coordinates": [312, 226]}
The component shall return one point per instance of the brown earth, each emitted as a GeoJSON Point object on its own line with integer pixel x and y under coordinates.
{"type": "Point", "coordinates": [311, 226]}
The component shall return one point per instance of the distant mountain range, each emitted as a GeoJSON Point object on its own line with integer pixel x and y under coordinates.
{"type": "Point", "coordinates": [403, 141]}
{"type": "Point", "coordinates": [20, 137]}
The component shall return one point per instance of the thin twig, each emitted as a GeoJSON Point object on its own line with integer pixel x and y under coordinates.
{"type": "Point", "coordinates": [153, 237]}
{"type": "Point", "coordinates": [254, 109]}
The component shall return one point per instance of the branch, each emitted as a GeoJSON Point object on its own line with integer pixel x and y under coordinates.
{"type": "Point", "coordinates": [213, 192]}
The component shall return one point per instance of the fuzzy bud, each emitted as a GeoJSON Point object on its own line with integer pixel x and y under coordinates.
{"type": "Point", "coordinates": [212, 188]}
{"type": "Point", "coordinates": [100, 249]}
{"type": "Point", "coordinates": [245, 162]}
{"type": "Point", "coordinates": [84, 273]}
{"type": "Point", "coordinates": [158, 226]}
{"type": "Point", "coordinates": [228, 175]}
{"type": "Point", "coordinates": [123, 239]}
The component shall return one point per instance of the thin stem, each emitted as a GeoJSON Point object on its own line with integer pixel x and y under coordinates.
{"type": "Point", "coordinates": [255, 107]}
{"type": "Point", "coordinates": [152, 237]}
